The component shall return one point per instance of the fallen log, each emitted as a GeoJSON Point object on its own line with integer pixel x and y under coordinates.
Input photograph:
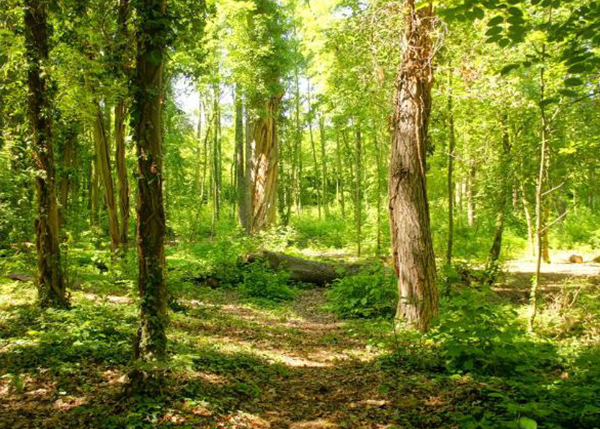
{"type": "Point", "coordinates": [304, 270]}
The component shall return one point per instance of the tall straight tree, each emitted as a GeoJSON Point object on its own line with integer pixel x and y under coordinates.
{"type": "Point", "coordinates": [50, 282]}
{"type": "Point", "coordinates": [412, 248]}
{"type": "Point", "coordinates": [120, 114]}
{"type": "Point", "coordinates": [152, 33]}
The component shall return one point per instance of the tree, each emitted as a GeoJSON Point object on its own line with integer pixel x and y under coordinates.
{"type": "Point", "coordinates": [152, 33]}
{"type": "Point", "coordinates": [412, 248]}
{"type": "Point", "coordinates": [50, 282]}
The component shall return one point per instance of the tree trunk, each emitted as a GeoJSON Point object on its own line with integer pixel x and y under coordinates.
{"type": "Point", "coordinates": [49, 279]}
{"type": "Point", "coordinates": [412, 248]}
{"type": "Point", "coordinates": [539, 200]}
{"type": "Point", "coordinates": [68, 159]}
{"type": "Point", "coordinates": [379, 163]}
{"type": "Point", "coordinates": [340, 177]}
{"type": "Point", "coordinates": [451, 146]}
{"type": "Point", "coordinates": [102, 154]}
{"type": "Point", "coordinates": [297, 149]}
{"type": "Point", "coordinates": [505, 189]}
{"type": "Point", "coordinates": [314, 152]}
{"type": "Point", "coordinates": [471, 194]}
{"type": "Point", "coordinates": [324, 165]}
{"type": "Point", "coordinates": [151, 340]}
{"type": "Point", "coordinates": [358, 190]}
{"type": "Point", "coordinates": [122, 171]}
{"type": "Point", "coordinates": [239, 159]}
{"type": "Point", "coordinates": [263, 170]}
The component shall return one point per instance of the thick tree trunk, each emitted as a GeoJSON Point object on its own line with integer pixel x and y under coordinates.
{"type": "Point", "coordinates": [263, 170]}
{"type": "Point", "coordinates": [304, 270]}
{"type": "Point", "coordinates": [49, 279]}
{"type": "Point", "coordinates": [412, 248]}
{"type": "Point", "coordinates": [151, 340]}
{"type": "Point", "coordinates": [103, 156]}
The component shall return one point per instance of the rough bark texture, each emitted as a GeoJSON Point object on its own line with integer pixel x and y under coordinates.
{"type": "Point", "coordinates": [147, 122]}
{"type": "Point", "coordinates": [49, 279]}
{"type": "Point", "coordinates": [263, 169]}
{"type": "Point", "coordinates": [412, 249]}
{"type": "Point", "coordinates": [103, 156]}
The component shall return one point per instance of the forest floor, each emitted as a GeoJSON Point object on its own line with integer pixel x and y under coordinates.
{"type": "Point", "coordinates": [234, 364]}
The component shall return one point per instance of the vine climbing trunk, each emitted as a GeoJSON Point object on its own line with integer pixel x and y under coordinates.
{"type": "Point", "coordinates": [151, 339]}
{"type": "Point", "coordinates": [49, 279]}
{"type": "Point", "coordinates": [412, 248]}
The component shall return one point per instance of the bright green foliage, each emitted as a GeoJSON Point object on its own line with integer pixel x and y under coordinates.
{"type": "Point", "coordinates": [372, 294]}
{"type": "Point", "coordinates": [259, 281]}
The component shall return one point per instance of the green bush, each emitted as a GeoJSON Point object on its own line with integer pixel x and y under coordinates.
{"type": "Point", "coordinates": [371, 294]}
{"type": "Point", "coordinates": [477, 335]}
{"type": "Point", "coordinates": [259, 281]}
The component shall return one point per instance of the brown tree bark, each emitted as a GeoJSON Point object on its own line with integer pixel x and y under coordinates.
{"type": "Point", "coordinates": [49, 279]}
{"type": "Point", "coordinates": [239, 159]}
{"type": "Point", "coordinates": [450, 179]}
{"type": "Point", "coordinates": [324, 181]}
{"type": "Point", "coordinates": [263, 169]}
{"type": "Point", "coordinates": [120, 115]}
{"type": "Point", "coordinates": [103, 157]}
{"type": "Point", "coordinates": [151, 340]}
{"type": "Point", "coordinates": [506, 187]}
{"type": "Point", "coordinates": [68, 160]}
{"type": "Point", "coordinates": [358, 190]}
{"type": "Point", "coordinates": [412, 248]}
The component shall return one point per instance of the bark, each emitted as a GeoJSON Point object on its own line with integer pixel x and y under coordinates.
{"type": "Point", "coordinates": [324, 184]}
{"type": "Point", "coordinates": [151, 340]}
{"type": "Point", "coordinates": [263, 169]}
{"type": "Point", "coordinates": [297, 176]}
{"type": "Point", "coordinates": [412, 248]}
{"type": "Point", "coordinates": [471, 194]}
{"type": "Point", "coordinates": [68, 160]}
{"type": "Point", "coordinates": [358, 190]}
{"type": "Point", "coordinates": [122, 171]}
{"type": "Point", "coordinates": [340, 178]}
{"type": "Point", "coordinates": [379, 163]}
{"type": "Point", "coordinates": [120, 115]}
{"type": "Point", "coordinates": [450, 180]}
{"type": "Point", "coordinates": [505, 188]}
{"type": "Point", "coordinates": [103, 157]}
{"type": "Point", "coordinates": [314, 153]}
{"type": "Point", "coordinates": [49, 278]}
{"type": "Point", "coordinates": [539, 200]}
{"type": "Point", "coordinates": [304, 270]}
{"type": "Point", "coordinates": [529, 221]}
{"type": "Point", "coordinates": [239, 159]}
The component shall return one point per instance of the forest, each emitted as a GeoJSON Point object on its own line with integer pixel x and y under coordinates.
{"type": "Point", "coordinates": [300, 214]}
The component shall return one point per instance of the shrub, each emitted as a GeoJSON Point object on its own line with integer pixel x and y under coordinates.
{"type": "Point", "coordinates": [479, 336]}
{"type": "Point", "coordinates": [371, 294]}
{"type": "Point", "coordinates": [259, 281]}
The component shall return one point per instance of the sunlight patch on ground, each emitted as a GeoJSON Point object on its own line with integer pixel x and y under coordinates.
{"type": "Point", "coordinates": [315, 424]}
{"type": "Point", "coordinates": [586, 269]}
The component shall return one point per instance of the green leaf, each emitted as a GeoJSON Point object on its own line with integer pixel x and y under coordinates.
{"type": "Point", "coordinates": [495, 21]}
{"type": "Point", "coordinates": [504, 43]}
{"type": "Point", "coordinates": [548, 101]}
{"type": "Point", "coordinates": [527, 423]}
{"type": "Point", "coordinates": [494, 38]}
{"type": "Point", "coordinates": [494, 30]}
{"type": "Point", "coordinates": [568, 92]}
{"type": "Point", "coordinates": [515, 11]}
{"type": "Point", "coordinates": [573, 81]}
{"type": "Point", "coordinates": [577, 68]}
{"type": "Point", "coordinates": [508, 68]}
{"type": "Point", "coordinates": [478, 13]}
